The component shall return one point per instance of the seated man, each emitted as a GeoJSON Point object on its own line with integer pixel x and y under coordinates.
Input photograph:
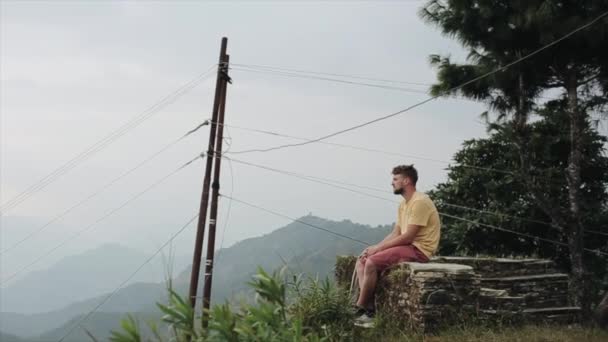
{"type": "Point", "coordinates": [415, 237]}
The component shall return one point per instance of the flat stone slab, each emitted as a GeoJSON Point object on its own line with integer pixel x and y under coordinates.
{"type": "Point", "coordinates": [554, 276]}
{"type": "Point", "coordinates": [499, 267]}
{"type": "Point", "coordinates": [416, 267]}
{"type": "Point", "coordinates": [559, 310]}
{"type": "Point", "coordinates": [484, 291]}
{"type": "Point", "coordinates": [466, 259]}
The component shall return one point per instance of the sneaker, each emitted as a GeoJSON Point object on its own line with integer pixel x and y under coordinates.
{"type": "Point", "coordinates": [358, 311]}
{"type": "Point", "coordinates": [366, 320]}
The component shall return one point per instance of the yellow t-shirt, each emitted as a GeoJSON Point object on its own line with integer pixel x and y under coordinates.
{"type": "Point", "coordinates": [420, 210]}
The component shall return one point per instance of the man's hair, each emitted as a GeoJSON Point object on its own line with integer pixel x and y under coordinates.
{"type": "Point", "coordinates": [407, 171]}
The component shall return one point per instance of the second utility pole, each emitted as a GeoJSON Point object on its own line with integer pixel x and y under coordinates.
{"type": "Point", "coordinates": [200, 232]}
{"type": "Point", "coordinates": [215, 188]}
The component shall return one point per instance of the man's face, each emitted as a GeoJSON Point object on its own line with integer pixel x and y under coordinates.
{"type": "Point", "coordinates": [399, 182]}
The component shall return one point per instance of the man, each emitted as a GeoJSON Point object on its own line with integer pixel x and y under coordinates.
{"type": "Point", "coordinates": [415, 237]}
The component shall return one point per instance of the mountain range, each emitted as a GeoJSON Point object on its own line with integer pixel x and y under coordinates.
{"type": "Point", "coordinates": [298, 246]}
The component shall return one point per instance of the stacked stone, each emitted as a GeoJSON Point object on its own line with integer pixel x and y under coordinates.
{"type": "Point", "coordinates": [527, 289]}
{"type": "Point", "coordinates": [421, 296]}
{"type": "Point", "coordinates": [447, 288]}
{"type": "Point", "coordinates": [345, 266]}
{"type": "Point", "coordinates": [539, 291]}
{"type": "Point", "coordinates": [502, 267]}
{"type": "Point", "coordinates": [491, 299]}
{"type": "Point", "coordinates": [427, 295]}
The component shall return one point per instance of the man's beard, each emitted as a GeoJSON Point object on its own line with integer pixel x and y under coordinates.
{"type": "Point", "coordinates": [398, 191]}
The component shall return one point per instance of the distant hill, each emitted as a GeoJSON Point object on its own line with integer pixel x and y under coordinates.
{"type": "Point", "coordinates": [132, 298]}
{"type": "Point", "coordinates": [99, 325]}
{"type": "Point", "coordinates": [302, 248]}
{"type": "Point", "coordinates": [10, 338]}
{"type": "Point", "coordinates": [76, 278]}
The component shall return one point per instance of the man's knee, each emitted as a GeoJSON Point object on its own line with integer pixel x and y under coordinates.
{"type": "Point", "coordinates": [370, 267]}
{"type": "Point", "coordinates": [361, 262]}
{"type": "Point", "coordinates": [359, 267]}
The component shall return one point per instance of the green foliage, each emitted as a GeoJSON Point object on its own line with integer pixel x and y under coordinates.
{"type": "Point", "coordinates": [322, 306]}
{"type": "Point", "coordinates": [507, 194]}
{"type": "Point", "coordinates": [271, 289]}
{"type": "Point", "coordinates": [179, 315]}
{"type": "Point", "coordinates": [506, 36]}
{"type": "Point", "coordinates": [224, 323]}
{"type": "Point", "coordinates": [267, 319]}
{"type": "Point", "coordinates": [130, 331]}
{"type": "Point", "coordinates": [314, 311]}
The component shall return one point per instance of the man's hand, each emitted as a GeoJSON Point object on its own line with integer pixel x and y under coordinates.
{"type": "Point", "coordinates": [365, 253]}
{"type": "Point", "coordinates": [369, 251]}
{"type": "Point", "coordinates": [373, 250]}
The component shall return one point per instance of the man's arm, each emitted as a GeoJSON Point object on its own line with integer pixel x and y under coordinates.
{"type": "Point", "coordinates": [393, 234]}
{"type": "Point", "coordinates": [400, 240]}
{"type": "Point", "coordinates": [418, 218]}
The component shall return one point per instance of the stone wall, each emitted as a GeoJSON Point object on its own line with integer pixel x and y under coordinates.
{"type": "Point", "coordinates": [450, 288]}
{"type": "Point", "coordinates": [531, 290]}
{"type": "Point", "coordinates": [429, 295]}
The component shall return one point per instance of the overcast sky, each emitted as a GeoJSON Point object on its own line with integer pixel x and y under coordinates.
{"type": "Point", "coordinates": [72, 72]}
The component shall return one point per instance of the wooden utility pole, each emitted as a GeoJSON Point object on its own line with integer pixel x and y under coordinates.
{"type": "Point", "coordinates": [200, 232]}
{"type": "Point", "coordinates": [215, 186]}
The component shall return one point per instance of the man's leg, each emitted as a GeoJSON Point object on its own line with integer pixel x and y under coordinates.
{"type": "Point", "coordinates": [360, 271]}
{"type": "Point", "coordinates": [378, 262]}
{"type": "Point", "coordinates": [368, 285]}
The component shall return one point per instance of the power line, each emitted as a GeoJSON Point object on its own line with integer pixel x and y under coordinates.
{"type": "Point", "coordinates": [296, 220]}
{"type": "Point", "coordinates": [372, 150]}
{"type": "Point", "coordinates": [312, 178]}
{"type": "Point", "coordinates": [361, 148]}
{"type": "Point", "coordinates": [499, 214]}
{"type": "Point", "coordinates": [597, 252]}
{"type": "Point", "coordinates": [322, 180]}
{"type": "Point", "coordinates": [86, 317]}
{"type": "Point", "coordinates": [594, 251]}
{"type": "Point", "coordinates": [281, 71]}
{"type": "Point", "coordinates": [101, 144]}
{"type": "Point", "coordinates": [92, 225]}
{"type": "Point", "coordinates": [103, 188]}
{"type": "Point", "coordinates": [228, 211]}
{"type": "Point", "coordinates": [443, 93]}
{"type": "Point", "coordinates": [289, 74]}
{"type": "Point", "coordinates": [509, 231]}
{"type": "Point", "coordinates": [266, 67]}
{"type": "Point", "coordinates": [388, 200]}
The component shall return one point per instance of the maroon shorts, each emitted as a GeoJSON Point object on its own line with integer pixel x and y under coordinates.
{"type": "Point", "coordinates": [395, 255]}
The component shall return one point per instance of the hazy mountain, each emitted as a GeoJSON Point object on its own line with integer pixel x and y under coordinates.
{"type": "Point", "coordinates": [14, 228]}
{"type": "Point", "coordinates": [77, 278]}
{"type": "Point", "coordinates": [98, 325]}
{"type": "Point", "coordinates": [302, 248]}
{"type": "Point", "coordinates": [132, 298]}
{"type": "Point", "coordinates": [10, 338]}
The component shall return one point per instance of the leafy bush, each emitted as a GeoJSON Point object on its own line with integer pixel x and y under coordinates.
{"type": "Point", "coordinates": [269, 318]}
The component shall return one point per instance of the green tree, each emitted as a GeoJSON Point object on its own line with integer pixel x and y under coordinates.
{"type": "Point", "coordinates": [496, 33]}
{"type": "Point", "coordinates": [514, 207]}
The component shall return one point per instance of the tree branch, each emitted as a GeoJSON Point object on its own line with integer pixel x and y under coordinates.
{"type": "Point", "coordinates": [588, 80]}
